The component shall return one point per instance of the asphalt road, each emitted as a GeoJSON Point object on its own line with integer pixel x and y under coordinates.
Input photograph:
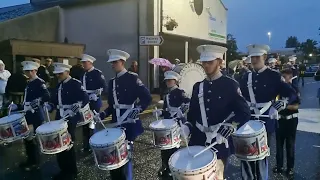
{"type": "Point", "coordinates": [147, 159]}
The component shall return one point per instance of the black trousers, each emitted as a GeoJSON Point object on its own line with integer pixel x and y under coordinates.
{"type": "Point", "coordinates": [67, 159]}
{"type": "Point", "coordinates": [165, 156]}
{"type": "Point", "coordinates": [286, 133]}
{"type": "Point", "coordinates": [32, 149]}
{"type": "Point", "coordinates": [87, 133]}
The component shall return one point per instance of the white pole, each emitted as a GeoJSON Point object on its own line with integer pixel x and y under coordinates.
{"type": "Point", "coordinates": [186, 50]}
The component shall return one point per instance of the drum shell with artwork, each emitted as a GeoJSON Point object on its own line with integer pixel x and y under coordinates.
{"type": "Point", "coordinates": [184, 167]}
{"type": "Point", "coordinates": [190, 73]}
{"type": "Point", "coordinates": [86, 115]}
{"type": "Point", "coordinates": [253, 145]}
{"type": "Point", "coordinates": [54, 137]}
{"type": "Point", "coordinates": [13, 127]}
{"type": "Point", "coordinates": [166, 134]}
{"type": "Point", "coordinates": [110, 148]}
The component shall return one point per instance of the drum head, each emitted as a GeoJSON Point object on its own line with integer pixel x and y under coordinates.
{"type": "Point", "coordinates": [106, 136]}
{"type": "Point", "coordinates": [163, 124]}
{"type": "Point", "coordinates": [10, 118]}
{"type": "Point", "coordinates": [182, 160]}
{"type": "Point", "coordinates": [52, 126]}
{"type": "Point", "coordinates": [190, 73]}
{"type": "Point", "coordinates": [250, 127]}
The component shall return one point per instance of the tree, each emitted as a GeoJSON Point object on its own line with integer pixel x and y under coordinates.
{"type": "Point", "coordinates": [308, 47]}
{"type": "Point", "coordinates": [232, 46]}
{"type": "Point", "coordinates": [292, 42]}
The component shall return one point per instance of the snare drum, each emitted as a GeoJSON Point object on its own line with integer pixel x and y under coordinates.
{"type": "Point", "coordinates": [13, 127]}
{"type": "Point", "coordinates": [86, 115]}
{"type": "Point", "coordinates": [166, 134]}
{"type": "Point", "coordinates": [109, 148]}
{"type": "Point", "coordinates": [54, 137]}
{"type": "Point", "coordinates": [184, 167]}
{"type": "Point", "coordinates": [250, 141]}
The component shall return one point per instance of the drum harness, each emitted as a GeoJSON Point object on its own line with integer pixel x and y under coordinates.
{"type": "Point", "coordinates": [253, 104]}
{"type": "Point", "coordinates": [174, 111]}
{"type": "Point", "coordinates": [118, 107]}
{"type": "Point", "coordinates": [210, 131]}
{"type": "Point", "coordinates": [60, 106]}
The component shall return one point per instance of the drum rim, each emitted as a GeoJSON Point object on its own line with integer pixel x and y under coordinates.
{"type": "Point", "coordinates": [119, 165]}
{"type": "Point", "coordinates": [65, 127]}
{"type": "Point", "coordinates": [194, 171]}
{"type": "Point", "coordinates": [154, 128]}
{"type": "Point", "coordinates": [121, 138]}
{"type": "Point", "coordinates": [255, 133]}
{"type": "Point", "coordinates": [11, 122]}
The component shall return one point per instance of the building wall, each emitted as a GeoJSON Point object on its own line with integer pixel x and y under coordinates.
{"type": "Point", "coordinates": [39, 26]}
{"type": "Point", "coordinates": [103, 26]}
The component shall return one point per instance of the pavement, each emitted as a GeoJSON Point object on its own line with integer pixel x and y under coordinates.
{"type": "Point", "coordinates": [147, 159]}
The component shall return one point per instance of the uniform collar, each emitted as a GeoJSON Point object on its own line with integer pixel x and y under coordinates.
{"type": "Point", "coordinates": [173, 88]}
{"type": "Point", "coordinates": [91, 69]}
{"type": "Point", "coordinates": [121, 73]}
{"type": "Point", "coordinates": [261, 70]}
{"type": "Point", "coordinates": [30, 80]}
{"type": "Point", "coordinates": [66, 80]}
{"type": "Point", "coordinates": [215, 77]}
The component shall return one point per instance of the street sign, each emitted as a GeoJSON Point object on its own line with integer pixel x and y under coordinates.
{"type": "Point", "coordinates": [150, 40]}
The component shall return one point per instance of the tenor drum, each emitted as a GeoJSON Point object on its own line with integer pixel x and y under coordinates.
{"type": "Point", "coordinates": [184, 166]}
{"type": "Point", "coordinates": [250, 141]}
{"type": "Point", "coordinates": [166, 134]}
{"type": "Point", "coordinates": [13, 127]}
{"type": "Point", "coordinates": [110, 148]}
{"type": "Point", "coordinates": [54, 137]}
{"type": "Point", "coordinates": [190, 74]}
{"type": "Point", "coordinates": [86, 115]}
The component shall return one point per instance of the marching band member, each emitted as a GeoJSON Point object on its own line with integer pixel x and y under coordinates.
{"type": "Point", "coordinates": [247, 63]}
{"type": "Point", "coordinates": [260, 88]}
{"type": "Point", "coordinates": [272, 63]}
{"type": "Point", "coordinates": [286, 131]}
{"type": "Point", "coordinates": [124, 90]}
{"type": "Point", "coordinates": [215, 100]}
{"type": "Point", "coordinates": [36, 93]}
{"type": "Point", "coordinates": [295, 70]}
{"type": "Point", "coordinates": [94, 84]}
{"type": "Point", "coordinates": [69, 97]}
{"type": "Point", "coordinates": [176, 103]}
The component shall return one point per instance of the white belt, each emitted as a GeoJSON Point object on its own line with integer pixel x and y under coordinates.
{"type": "Point", "coordinates": [264, 106]}
{"type": "Point", "coordinates": [90, 91]}
{"type": "Point", "coordinates": [123, 106]}
{"type": "Point", "coordinates": [213, 128]}
{"type": "Point", "coordinates": [64, 106]}
{"type": "Point", "coordinates": [295, 115]}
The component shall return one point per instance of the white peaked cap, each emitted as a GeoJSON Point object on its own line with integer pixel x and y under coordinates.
{"type": "Point", "coordinates": [248, 60]}
{"type": "Point", "coordinates": [171, 75]}
{"type": "Point", "coordinates": [244, 58]}
{"type": "Point", "coordinates": [257, 49]}
{"type": "Point", "coordinates": [211, 52]}
{"type": "Point", "coordinates": [292, 58]}
{"type": "Point", "coordinates": [60, 68]}
{"type": "Point", "coordinates": [30, 65]}
{"type": "Point", "coordinates": [115, 55]}
{"type": "Point", "coordinates": [86, 57]}
{"type": "Point", "coordinates": [272, 60]}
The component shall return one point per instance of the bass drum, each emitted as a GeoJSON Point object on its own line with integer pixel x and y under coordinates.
{"type": "Point", "coordinates": [190, 74]}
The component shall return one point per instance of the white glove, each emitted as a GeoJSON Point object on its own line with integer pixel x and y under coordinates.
{"type": "Point", "coordinates": [13, 107]}
{"type": "Point", "coordinates": [184, 131]}
{"type": "Point", "coordinates": [49, 108]}
{"type": "Point", "coordinates": [280, 105]}
{"type": "Point", "coordinates": [96, 118]}
{"type": "Point", "coordinates": [93, 97]}
{"type": "Point", "coordinates": [69, 112]}
{"type": "Point", "coordinates": [75, 108]}
{"type": "Point", "coordinates": [220, 139]}
{"type": "Point", "coordinates": [273, 113]}
{"type": "Point", "coordinates": [99, 91]}
{"type": "Point", "coordinates": [134, 113]}
{"type": "Point", "coordinates": [157, 112]}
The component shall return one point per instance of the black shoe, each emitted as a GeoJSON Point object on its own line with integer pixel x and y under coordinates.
{"type": "Point", "coordinates": [290, 173]}
{"type": "Point", "coordinates": [70, 177]}
{"type": "Point", "coordinates": [27, 166]}
{"type": "Point", "coordinates": [277, 170]}
{"type": "Point", "coordinates": [59, 176]}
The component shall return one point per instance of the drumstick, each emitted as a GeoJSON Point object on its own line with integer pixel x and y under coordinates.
{"type": "Point", "coordinates": [10, 108]}
{"type": "Point", "coordinates": [156, 113]}
{"type": "Point", "coordinates": [46, 111]}
{"type": "Point", "coordinates": [184, 137]}
{"type": "Point", "coordinates": [260, 115]}
{"type": "Point", "coordinates": [95, 113]}
{"type": "Point", "coordinates": [207, 148]}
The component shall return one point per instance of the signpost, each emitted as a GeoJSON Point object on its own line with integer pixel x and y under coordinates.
{"type": "Point", "coordinates": [150, 40]}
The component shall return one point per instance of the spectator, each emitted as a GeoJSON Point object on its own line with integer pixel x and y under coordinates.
{"type": "Point", "coordinates": [42, 73]}
{"type": "Point", "coordinates": [302, 70]}
{"type": "Point", "coordinates": [77, 71]}
{"type": "Point", "coordinates": [16, 86]}
{"type": "Point", "coordinates": [4, 76]}
{"type": "Point", "coordinates": [134, 67]}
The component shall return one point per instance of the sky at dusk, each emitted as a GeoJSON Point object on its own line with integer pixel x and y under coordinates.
{"type": "Point", "coordinates": [250, 20]}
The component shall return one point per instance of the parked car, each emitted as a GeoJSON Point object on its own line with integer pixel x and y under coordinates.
{"type": "Point", "coordinates": [311, 70]}
{"type": "Point", "coordinates": [317, 75]}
